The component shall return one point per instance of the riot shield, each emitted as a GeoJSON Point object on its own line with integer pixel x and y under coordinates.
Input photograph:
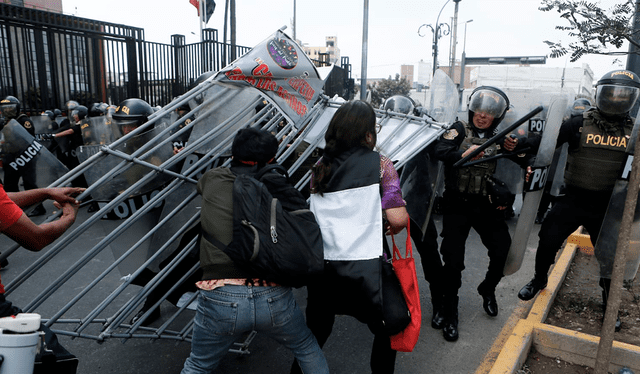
{"type": "Point", "coordinates": [43, 125]}
{"type": "Point", "coordinates": [21, 152]}
{"type": "Point", "coordinates": [107, 191]}
{"type": "Point", "coordinates": [97, 131]}
{"type": "Point", "coordinates": [421, 175]}
{"type": "Point", "coordinates": [605, 247]}
{"type": "Point", "coordinates": [535, 187]}
{"type": "Point", "coordinates": [223, 103]}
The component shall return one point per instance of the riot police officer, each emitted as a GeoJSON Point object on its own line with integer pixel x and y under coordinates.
{"type": "Point", "coordinates": [10, 107]}
{"type": "Point", "coordinates": [474, 198]}
{"type": "Point", "coordinates": [130, 114]}
{"type": "Point", "coordinates": [591, 172]}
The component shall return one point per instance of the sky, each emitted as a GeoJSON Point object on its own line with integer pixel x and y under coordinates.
{"type": "Point", "coordinates": [499, 27]}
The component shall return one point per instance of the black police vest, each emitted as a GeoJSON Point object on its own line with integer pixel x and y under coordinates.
{"type": "Point", "coordinates": [599, 158]}
{"type": "Point", "coordinates": [473, 179]}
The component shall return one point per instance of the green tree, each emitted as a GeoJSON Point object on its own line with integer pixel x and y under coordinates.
{"type": "Point", "coordinates": [593, 29]}
{"type": "Point", "coordinates": [386, 88]}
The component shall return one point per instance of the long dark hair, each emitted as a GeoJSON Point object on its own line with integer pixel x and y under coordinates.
{"type": "Point", "coordinates": [353, 125]}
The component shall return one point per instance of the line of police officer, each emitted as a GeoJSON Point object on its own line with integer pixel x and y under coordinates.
{"type": "Point", "coordinates": [472, 196]}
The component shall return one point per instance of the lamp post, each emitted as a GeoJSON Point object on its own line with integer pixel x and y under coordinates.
{"type": "Point", "coordinates": [438, 32]}
{"type": "Point", "coordinates": [463, 60]}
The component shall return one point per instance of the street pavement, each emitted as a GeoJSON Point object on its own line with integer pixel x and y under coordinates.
{"type": "Point", "coordinates": [347, 350]}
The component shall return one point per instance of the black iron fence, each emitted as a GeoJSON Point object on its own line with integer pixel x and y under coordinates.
{"type": "Point", "coordinates": [48, 58]}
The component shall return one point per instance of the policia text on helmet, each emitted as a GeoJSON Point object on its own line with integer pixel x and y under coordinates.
{"type": "Point", "coordinates": [617, 92]}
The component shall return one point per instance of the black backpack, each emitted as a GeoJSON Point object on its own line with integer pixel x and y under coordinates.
{"type": "Point", "coordinates": [275, 235]}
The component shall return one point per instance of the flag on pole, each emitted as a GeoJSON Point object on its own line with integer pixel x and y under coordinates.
{"type": "Point", "coordinates": [210, 6]}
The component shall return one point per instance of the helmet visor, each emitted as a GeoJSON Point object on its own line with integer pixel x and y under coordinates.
{"type": "Point", "coordinates": [489, 102]}
{"type": "Point", "coordinates": [613, 99]}
{"type": "Point", "coordinates": [126, 125]}
{"type": "Point", "coordinates": [399, 104]}
{"type": "Point", "coordinates": [10, 111]}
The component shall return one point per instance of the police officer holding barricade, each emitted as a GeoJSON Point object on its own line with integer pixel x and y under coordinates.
{"type": "Point", "coordinates": [473, 197]}
{"type": "Point", "coordinates": [598, 139]}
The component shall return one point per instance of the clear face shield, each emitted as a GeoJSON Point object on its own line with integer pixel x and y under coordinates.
{"type": "Point", "coordinates": [399, 104]}
{"type": "Point", "coordinates": [10, 111]}
{"type": "Point", "coordinates": [125, 126]}
{"type": "Point", "coordinates": [613, 99]}
{"type": "Point", "coordinates": [488, 102]}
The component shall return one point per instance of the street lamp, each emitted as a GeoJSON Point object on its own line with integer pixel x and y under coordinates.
{"type": "Point", "coordinates": [463, 60]}
{"type": "Point", "coordinates": [438, 32]}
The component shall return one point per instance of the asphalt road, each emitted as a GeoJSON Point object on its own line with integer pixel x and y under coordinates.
{"type": "Point", "coordinates": [348, 348]}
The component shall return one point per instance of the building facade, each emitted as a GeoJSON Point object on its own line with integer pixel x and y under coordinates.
{"type": "Point", "coordinates": [327, 53]}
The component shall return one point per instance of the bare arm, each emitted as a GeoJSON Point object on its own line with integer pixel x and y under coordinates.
{"type": "Point", "coordinates": [61, 195]}
{"type": "Point", "coordinates": [35, 237]}
{"type": "Point", "coordinates": [398, 219]}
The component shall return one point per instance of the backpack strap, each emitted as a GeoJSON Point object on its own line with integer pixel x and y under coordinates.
{"type": "Point", "coordinates": [208, 237]}
{"type": "Point", "coordinates": [272, 168]}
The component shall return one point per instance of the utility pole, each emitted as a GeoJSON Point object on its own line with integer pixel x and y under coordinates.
{"type": "Point", "coordinates": [452, 69]}
{"type": "Point", "coordinates": [294, 21]}
{"type": "Point", "coordinates": [365, 41]}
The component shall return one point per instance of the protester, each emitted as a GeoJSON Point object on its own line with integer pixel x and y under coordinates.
{"type": "Point", "coordinates": [233, 302]}
{"type": "Point", "coordinates": [17, 226]}
{"type": "Point", "coordinates": [352, 188]}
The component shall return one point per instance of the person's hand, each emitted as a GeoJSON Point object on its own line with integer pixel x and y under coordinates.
{"type": "Point", "coordinates": [468, 151]}
{"type": "Point", "coordinates": [528, 174]}
{"type": "Point", "coordinates": [177, 150]}
{"type": "Point", "coordinates": [510, 143]}
{"type": "Point", "coordinates": [65, 194]}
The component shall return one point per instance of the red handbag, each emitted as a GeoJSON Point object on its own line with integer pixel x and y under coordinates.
{"type": "Point", "coordinates": [405, 269]}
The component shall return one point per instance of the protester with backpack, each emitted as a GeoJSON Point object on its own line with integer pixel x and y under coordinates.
{"type": "Point", "coordinates": [234, 300]}
{"type": "Point", "coordinates": [351, 187]}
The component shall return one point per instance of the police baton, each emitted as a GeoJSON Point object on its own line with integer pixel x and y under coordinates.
{"type": "Point", "coordinates": [495, 138]}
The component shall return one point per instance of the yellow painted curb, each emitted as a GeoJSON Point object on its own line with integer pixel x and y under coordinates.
{"type": "Point", "coordinates": [581, 349]}
{"type": "Point", "coordinates": [513, 351]}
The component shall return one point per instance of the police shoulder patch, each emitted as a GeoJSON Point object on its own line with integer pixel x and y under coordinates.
{"type": "Point", "coordinates": [450, 134]}
{"type": "Point", "coordinates": [27, 125]}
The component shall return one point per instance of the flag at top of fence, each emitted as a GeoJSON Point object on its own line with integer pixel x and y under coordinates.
{"type": "Point", "coordinates": [209, 6]}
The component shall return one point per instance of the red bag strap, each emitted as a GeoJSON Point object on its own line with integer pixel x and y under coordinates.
{"type": "Point", "coordinates": [408, 246]}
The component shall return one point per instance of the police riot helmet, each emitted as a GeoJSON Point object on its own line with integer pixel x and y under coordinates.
{"type": "Point", "coordinates": [579, 106]}
{"type": "Point", "coordinates": [71, 105]}
{"type": "Point", "coordinates": [49, 114]}
{"type": "Point", "coordinates": [57, 113]}
{"type": "Point", "coordinates": [131, 113]}
{"type": "Point", "coordinates": [399, 104]}
{"type": "Point", "coordinates": [199, 99]}
{"type": "Point", "coordinates": [10, 107]}
{"type": "Point", "coordinates": [97, 109]}
{"type": "Point", "coordinates": [79, 113]}
{"type": "Point", "coordinates": [490, 100]}
{"type": "Point", "coordinates": [617, 91]}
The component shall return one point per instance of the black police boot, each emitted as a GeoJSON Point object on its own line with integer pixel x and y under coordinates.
{"type": "Point", "coordinates": [489, 302]}
{"type": "Point", "coordinates": [450, 329]}
{"type": "Point", "coordinates": [606, 284]}
{"type": "Point", "coordinates": [437, 320]}
{"type": "Point", "coordinates": [531, 289]}
{"type": "Point", "coordinates": [37, 211]}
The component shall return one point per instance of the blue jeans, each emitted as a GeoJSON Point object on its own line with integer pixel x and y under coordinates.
{"type": "Point", "coordinates": [227, 312]}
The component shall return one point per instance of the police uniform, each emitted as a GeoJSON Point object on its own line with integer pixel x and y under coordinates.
{"type": "Point", "coordinates": [596, 156]}
{"type": "Point", "coordinates": [466, 205]}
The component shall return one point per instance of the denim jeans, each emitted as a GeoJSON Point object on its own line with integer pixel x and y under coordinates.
{"type": "Point", "coordinates": [227, 312]}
